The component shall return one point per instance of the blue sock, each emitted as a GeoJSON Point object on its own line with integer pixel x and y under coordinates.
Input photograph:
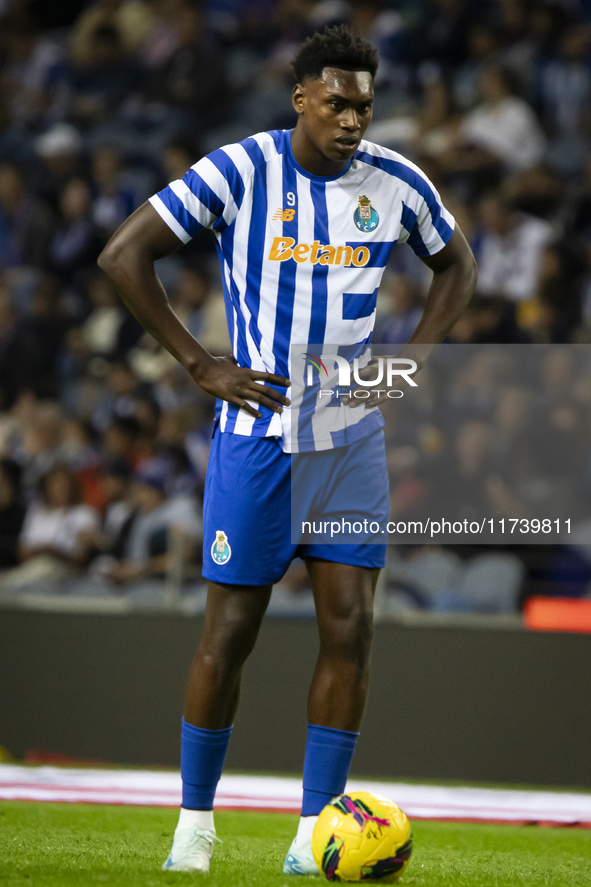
{"type": "Point", "coordinates": [202, 760]}
{"type": "Point", "coordinates": [326, 766]}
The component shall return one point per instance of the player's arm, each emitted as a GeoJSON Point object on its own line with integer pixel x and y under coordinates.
{"type": "Point", "coordinates": [128, 260]}
{"type": "Point", "coordinates": [454, 281]}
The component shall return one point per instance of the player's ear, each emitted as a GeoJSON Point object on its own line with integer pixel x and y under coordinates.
{"type": "Point", "coordinates": [298, 98]}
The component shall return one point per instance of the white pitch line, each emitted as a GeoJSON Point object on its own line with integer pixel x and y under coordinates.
{"type": "Point", "coordinates": [160, 788]}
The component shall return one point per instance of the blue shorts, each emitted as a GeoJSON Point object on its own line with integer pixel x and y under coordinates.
{"type": "Point", "coordinates": [247, 513]}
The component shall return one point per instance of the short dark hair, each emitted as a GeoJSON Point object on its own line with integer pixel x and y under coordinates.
{"type": "Point", "coordinates": [337, 47]}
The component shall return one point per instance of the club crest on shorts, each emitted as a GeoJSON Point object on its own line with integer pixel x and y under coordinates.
{"type": "Point", "coordinates": [220, 550]}
{"type": "Point", "coordinates": [365, 216]}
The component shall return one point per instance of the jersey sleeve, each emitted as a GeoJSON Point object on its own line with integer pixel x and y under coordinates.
{"type": "Point", "coordinates": [208, 196]}
{"type": "Point", "coordinates": [426, 224]}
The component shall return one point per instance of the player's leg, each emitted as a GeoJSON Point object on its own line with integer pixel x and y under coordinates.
{"type": "Point", "coordinates": [343, 594]}
{"type": "Point", "coordinates": [246, 509]}
{"type": "Point", "coordinates": [351, 480]}
{"type": "Point", "coordinates": [233, 617]}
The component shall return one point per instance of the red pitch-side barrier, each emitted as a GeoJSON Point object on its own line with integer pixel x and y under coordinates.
{"type": "Point", "coordinates": [558, 614]}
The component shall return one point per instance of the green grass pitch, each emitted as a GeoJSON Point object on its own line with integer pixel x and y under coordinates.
{"type": "Point", "coordinates": [58, 845]}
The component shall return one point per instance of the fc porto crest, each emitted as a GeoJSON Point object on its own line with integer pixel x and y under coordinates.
{"type": "Point", "coordinates": [365, 216]}
{"type": "Point", "coordinates": [220, 550]}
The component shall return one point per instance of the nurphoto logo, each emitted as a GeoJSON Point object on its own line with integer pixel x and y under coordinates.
{"type": "Point", "coordinates": [387, 370]}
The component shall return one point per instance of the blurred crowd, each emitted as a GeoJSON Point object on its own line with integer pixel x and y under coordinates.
{"type": "Point", "coordinates": [103, 439]}
{"type": "Point", "coordinates": [497, 437]}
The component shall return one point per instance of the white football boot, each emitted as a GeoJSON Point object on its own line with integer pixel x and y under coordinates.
{"type": "Point", "coordinates": [299, 859]}
{"type": "Point", "coordinates": [191, 851]}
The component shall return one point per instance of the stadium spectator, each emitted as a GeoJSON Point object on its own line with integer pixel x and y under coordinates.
{"type": "Point", "coordinates": [529, 31]}
{"type": "Point", "coordinates": [103, 79]}
{"type": "Point", "coordinates": [105, 544]}
{"type": "Point", "coordinates": [102, 328]}
{"type": "Point", "coordinates": [38, 339]}
{"type": "Point", "coordinates": [503, 126]}
{"type": "Point", "coordinates": [145, 554]}
{"type": "Point", "coordinates": [162, 37]}
{"type": "Point", "coordinates": [510, 250]}
{"type": "Point", "coordinates": [193, 78]}
{"type": "Point", "coordinates": [120, 440]}
{"type": "Point", "coordinates": [33, 79]}
{"type": "Point", "coordinates": [60, 150]}
{"type": "Point", "coordinates": [118, 394]}
{"type": "Point", "coordinates": [437, 121]}
{"type": "Point", "coordinates": [484, 50]}
{"type": "Point", "coordinates": [112, 201]}
{"type": "Point", "coordinates": [565, 84]}
{"type": "Point", "coordinates": [49, 545]}
{"type": "Point", "coordinates": [500, 135]}
{"type": "Point", "coordinates": [75, 245]}
{"type": "Point", "coordinates": [132, 20]}
{"type": "Point", "coordinates": [191, 296]}
{"type": "Point", "coordinates": [41, 445]}
{"type": "Point", "coordinates": [182, 430]}
{"type": "Point", "coordinates": [26, 223]}
{"type": "Point", "coordinates": [201, 308]}
{"type": "Point", "coordinates": [116, 481]}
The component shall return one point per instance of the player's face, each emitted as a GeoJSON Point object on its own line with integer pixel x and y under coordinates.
{"type": "Point", "coordinates": [334, 111]}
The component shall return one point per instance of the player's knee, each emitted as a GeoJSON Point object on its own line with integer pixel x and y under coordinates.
{"type": "Point", "coordinates": [348, 636]}
{"type": "Point", "coordinates": [230, 642]}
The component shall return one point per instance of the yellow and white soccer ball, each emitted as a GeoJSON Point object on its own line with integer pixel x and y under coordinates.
{"type": "Point", "coordinates": [360, 836]}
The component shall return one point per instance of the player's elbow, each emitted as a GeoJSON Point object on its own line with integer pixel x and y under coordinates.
{"type": "Point", "coordinates": [103, 260]}
{"type": "Point", "coordinates": [111, 257]}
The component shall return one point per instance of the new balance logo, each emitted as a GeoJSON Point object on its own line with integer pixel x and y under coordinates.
{"type": "Point", "coordinates": [284, 215]}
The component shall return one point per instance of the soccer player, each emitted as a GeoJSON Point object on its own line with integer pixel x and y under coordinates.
{"type": "Point", "coordinates": [304, 222]}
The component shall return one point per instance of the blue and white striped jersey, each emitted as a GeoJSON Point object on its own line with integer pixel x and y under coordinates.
{"type": "Point", "coordinates": [302, 256]}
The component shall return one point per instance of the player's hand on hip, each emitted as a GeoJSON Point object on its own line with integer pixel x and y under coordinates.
{"type": "Point", "coordinates": [223, 378]}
